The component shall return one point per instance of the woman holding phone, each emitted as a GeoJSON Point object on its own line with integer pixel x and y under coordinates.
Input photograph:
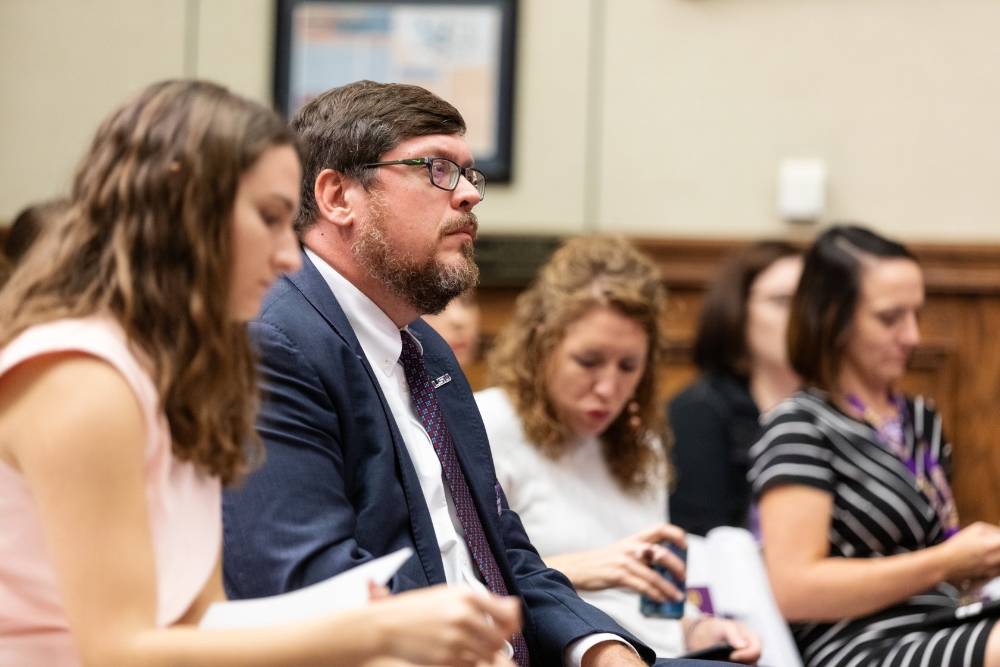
{"type": "Point", "coordinates": [576, 431]}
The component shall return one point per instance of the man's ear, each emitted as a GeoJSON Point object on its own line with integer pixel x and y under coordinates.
{"type": "Point", "coordinates": [334, 202]}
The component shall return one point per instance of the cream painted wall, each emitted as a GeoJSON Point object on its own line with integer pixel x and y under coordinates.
{"type": "Point", "coordinates": [654, 117]}
{"type": "Point", "coordinates": [236, 45]}
{"type": "Point", "coordinates": [900, 97]}
{"type": "Point", "coordinates": [63, 65]}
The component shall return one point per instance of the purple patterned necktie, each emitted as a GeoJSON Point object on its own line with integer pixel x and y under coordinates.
{"type": "Point", "coordinates": [426, 403]}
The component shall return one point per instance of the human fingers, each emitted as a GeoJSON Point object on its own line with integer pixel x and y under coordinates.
{"type": "Point", "coordinates": [664, 532]}
{"type": "Point", "coordinates": [377, 591]}
{"type": "Point", "coordinates": [748, 655]}
{"type": "Point", "coordinates": [745, 656]}
{"type": "Point", "coordinates": [745, 642]}
{"type": "Point", "coordinates": [441, 625]}
{"type": "Point", "coordinates": [461, 643]}
{"type": "Point", "coordinates": [483, 632]}
{"type": "Point", "coordinates": [505, 612]}
{"type": "Point", "coordinates": [992, 540]}
{"type": "Point", "coordinates": [669, 560]}
{"type": "Point", "coordinates": [499, 660]}
{"type": "Point", "coordinates": [642, 578]}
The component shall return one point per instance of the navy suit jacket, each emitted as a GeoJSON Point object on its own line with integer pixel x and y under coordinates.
{"type": "Point", "coordinates": [338, 487]}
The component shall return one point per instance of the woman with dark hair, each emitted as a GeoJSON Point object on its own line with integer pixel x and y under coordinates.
{"type": "Point", "coordinates": [29, 224]}
{"type": "Point", "coordinates": [127, 397]}
{"type": "Point", "coordinates": [739, 349]}
{"type": "Point", "coordinates": [576, 432]}
{"type": "Point", "coordinates": [861, 537]}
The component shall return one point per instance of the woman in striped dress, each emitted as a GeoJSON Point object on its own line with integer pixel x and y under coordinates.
{"type": "Point", "coordinates": [861, 537]}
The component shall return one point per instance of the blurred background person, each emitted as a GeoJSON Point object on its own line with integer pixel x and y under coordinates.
{"type": "Point", "coordinates": [576, 431]}
{"type": "Point", "coordinates": [458, 324]}
{"type": "Point", "coordinates": [27, 225]}
{"type": "Point", "coordinates": [740, 350]}
{"type": "Point", "coordinates": [861, 537]}
{"type": "Point", "coordinates": [128, 397]}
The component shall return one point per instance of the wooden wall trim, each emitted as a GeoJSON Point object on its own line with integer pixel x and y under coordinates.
{"type": "Point", "coordinates": [511, 261]}
{"type": "Point", "coordinates": [948, 268]}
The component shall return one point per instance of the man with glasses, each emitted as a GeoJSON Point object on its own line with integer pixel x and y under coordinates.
{"type": "Point", "coordinates": [373, 439]}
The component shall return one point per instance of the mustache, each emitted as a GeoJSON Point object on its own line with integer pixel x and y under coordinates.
{"type": "Point", "coordinates": [461, 223]}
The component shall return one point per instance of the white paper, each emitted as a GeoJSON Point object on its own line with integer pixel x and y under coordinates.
{"type": "Point", "coordinates": [348, 590]}
{"type": "Point", "coordinates": [728, 562]}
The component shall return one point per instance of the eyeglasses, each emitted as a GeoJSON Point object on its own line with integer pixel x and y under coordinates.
{"type": "Point", "coordinates": [443, 172]}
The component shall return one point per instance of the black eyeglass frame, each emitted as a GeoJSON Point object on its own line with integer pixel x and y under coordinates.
{"type": "Point", "coordinates": [429, 163]}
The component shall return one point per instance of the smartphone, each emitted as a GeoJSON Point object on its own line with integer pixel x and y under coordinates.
{"type": "Point", "coordinates": [720, 651]}
{"type": "Point", "coordinates": [669, 608]}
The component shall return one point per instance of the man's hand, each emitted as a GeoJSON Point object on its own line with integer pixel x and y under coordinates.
{"type": "Point", "coordinates": [611, 654]}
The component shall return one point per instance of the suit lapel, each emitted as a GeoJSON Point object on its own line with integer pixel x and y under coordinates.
{"type": "Point", "coordinates": [317, 292]}
{"type": "Point", "coordinates": [471, 443]}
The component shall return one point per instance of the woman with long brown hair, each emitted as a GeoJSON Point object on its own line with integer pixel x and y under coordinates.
{"type": "Point", "coordinates": [577, 437]}
{"type": "Point", "coordinates": [127, 397]}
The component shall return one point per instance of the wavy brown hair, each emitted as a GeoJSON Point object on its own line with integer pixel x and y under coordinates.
{"type": "Point", "coordinates": [147, 241]}
{"type": "Point", "coordinates": [583, 274]}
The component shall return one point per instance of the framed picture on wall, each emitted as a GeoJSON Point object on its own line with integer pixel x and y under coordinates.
{"type": "Point", "coordinates": [462, 50]}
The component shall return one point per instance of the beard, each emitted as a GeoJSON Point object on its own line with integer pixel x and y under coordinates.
{"type": "Point", "coordinates": [428, 284]}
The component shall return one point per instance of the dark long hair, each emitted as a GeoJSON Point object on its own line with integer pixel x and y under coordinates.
{"type": "Point", "coordinates": [824, 303]}
{"type": "Point", "coordinates": [720, 344]}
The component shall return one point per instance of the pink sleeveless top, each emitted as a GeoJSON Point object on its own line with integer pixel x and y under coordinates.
{"type": "Point", "coordinates": [184, 511]}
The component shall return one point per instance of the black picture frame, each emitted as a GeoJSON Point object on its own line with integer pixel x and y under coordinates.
{"type": "Point", "coordinates": [491, 140]}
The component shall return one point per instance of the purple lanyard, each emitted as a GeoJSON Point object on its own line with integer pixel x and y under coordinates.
{"type": "Point", "coordinates": [920, 461]}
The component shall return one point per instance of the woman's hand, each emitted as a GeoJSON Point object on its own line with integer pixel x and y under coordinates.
{"type": "Point", "coordinates": [973, 553]}
{"type": "Point", "coordinates": [500, 660]}
{"type": "Point", "coordinates": [456, 627]}
{"type": "Point", "coordinates": [707, 631]}
{"type": "Point", "coordinates": [626, 564]}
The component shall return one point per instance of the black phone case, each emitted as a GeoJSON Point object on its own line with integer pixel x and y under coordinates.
{"type": "Point", "coordinates": [715, 652]}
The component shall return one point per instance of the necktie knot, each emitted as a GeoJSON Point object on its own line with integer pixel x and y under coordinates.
{"type": "Point", "coordinates": [410, 354]}
{"type": "Point", "coordinates": [413, 368]}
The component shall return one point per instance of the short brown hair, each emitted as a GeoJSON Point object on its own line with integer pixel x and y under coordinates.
{"type": "Point", "coordinates": [147, 240]}
{"type": "Point", "coordinates": [720, 344]}
{"type": "Point", "coordinates": [585, 273]}
{"type": "Point", "coordinates": [350, 126]}
{"type": "Point", "coordinates": [824, 303]}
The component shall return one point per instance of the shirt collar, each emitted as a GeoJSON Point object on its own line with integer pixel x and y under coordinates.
{"type": "Point", "coordinates": [377, 334]}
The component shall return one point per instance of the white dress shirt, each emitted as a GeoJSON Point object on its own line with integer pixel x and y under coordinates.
{"type": "Point", "coordinates": [381, 343]}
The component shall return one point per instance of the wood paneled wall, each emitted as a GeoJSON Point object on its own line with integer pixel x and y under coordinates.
{"type": "Point", "coordinates": [957, 363]}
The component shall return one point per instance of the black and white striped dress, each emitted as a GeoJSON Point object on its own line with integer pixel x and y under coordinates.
{"type": "Point", "coordinates": [877, 511]}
